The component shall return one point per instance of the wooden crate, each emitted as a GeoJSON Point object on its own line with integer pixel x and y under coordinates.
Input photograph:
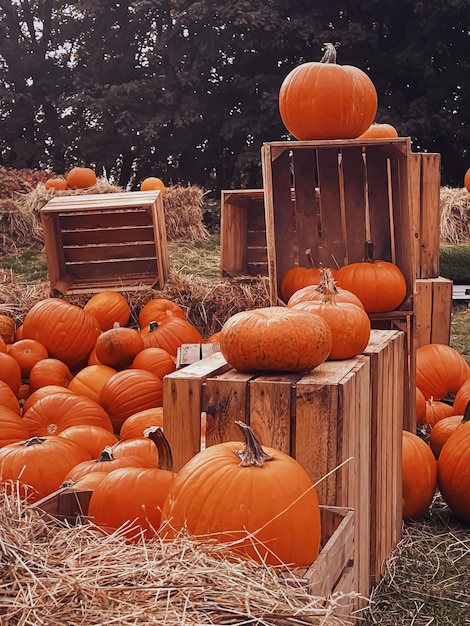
{"type": "Point", "coordinates": [330, 197]}
{"type": "Point", "coordinates": [433, 310]}
{"type": "Point", "coordinates": [425, 188]}
{"type": "Point", "coordinates": [321, 418]}
{"type": "Point", "coordinates": [387, 353]}
{"type": "Point", "coordinates": [331, 576]}
{"type": "Point", "coordinates": [243, 233]}
{"type": "Point", "coordinates": [105, 241]}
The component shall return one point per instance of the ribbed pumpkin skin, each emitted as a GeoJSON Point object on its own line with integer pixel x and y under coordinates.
{"type": "Point", "coordinates": [454, 472]}
{"type": "Point", "coordinates": [155, 360]}
{"type": "Point", "coordinates": [66, 331]}
{"type": "Point", "coordinates": [10, 371]}
{"type": "Point", "coordinates": [379, 131]}
{"type": "Point", "coordinates": [440, 369]}
{"type": "Point", "coordinates": [130, 391]}
{"type": "Point", "coordinates": [81, 177]}
{"type": "Point", "coordinates": [214, 495]}
{"type": "Point", "coordinates": [8, 398]}
{"type": "Point", "coordinates": [49, 372]}
{"type": "Point", "coordinates": [159, 310]}
{"type": "Point", "coordinates": [109, 307]}
{"type": "Point", "coordinates": [94, 439]}
{"type": "Point", "coordinates": [135, 424]}
{"type": "Point", "coordinates": [296, 278]}
{"type": "Point", "coordinates": [56, 412]}
{"type": "Point", "coordinates": [327, 101]}
{"type": "Point", "coordinates": [419, 476]}
{"type": "Point", "coordinates": [40, 463]}
{"type": "Point", "coordinates": [90, 380]}
{"type": "Point", "coordinates": [12, 427]}
{"type": "Point", "coordinates": [275, 338]}
{"type": "Point", "coordinates": [170, 334]}
{"type": "Point", "coordinates": [380, 285]}
{"type": "Point", "coordinates": [462, 397]}
{"type": "Point", "coordinates": [441, 432]}
{"type": "Point", "coordinates": [117, 347]}
{"type": "Point", "coordinates": [312, 293]}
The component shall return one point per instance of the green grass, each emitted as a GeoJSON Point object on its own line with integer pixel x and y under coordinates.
{"type": "Point", "coordinates": [30, 264]}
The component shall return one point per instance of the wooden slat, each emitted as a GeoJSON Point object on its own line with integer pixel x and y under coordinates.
{"type": "Point", "coordinates": [430, 215]}
{"type": "Point", "coordinates": [433, 310]}
{"type": "Point", "coordinates": [89, 202]}
{"type": "Point", "coordinates": [107, 235]}
{"type": "Point", "coordinates": [129, 251]}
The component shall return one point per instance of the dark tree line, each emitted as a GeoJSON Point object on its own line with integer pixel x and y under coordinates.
{"type": "Point", "coordinates": [188, 91]}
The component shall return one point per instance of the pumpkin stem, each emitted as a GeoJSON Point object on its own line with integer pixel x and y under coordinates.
{"type": "Point", "coordinates": [368, 252]}
{"type": "Point", "coordinates": [106, 455]}
{"type": "Point", "coordinates": [327, 285]}
{"type": "Point", "coordinates": [330, 53]}
{"type": "Point", "coordinates": [165, 457]}
{"type": "Point", "coordinates": [153, 326]}
{"type": "Point", "coordinates": [252, 454]}
{"type": "Point", "coordinates": [32, 441]}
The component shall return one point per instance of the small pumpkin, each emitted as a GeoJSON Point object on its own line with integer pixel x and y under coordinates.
{"type": "Point", "coordinates": [12, 427]}
{"type": "Point", "coordinates": [420, 407]}
{"type": "Point", "coordinates": [170, 334]}
{"type": "Point", "coordinates": [81, 178]}
{"type": "Point", "coordinates": [379, 284]}
{"type": "Point", "coordinates": [90, 380]}
{"type": "Point", "coordinates": [27, 352]}
{"type": "Point", "coordinates": [436, 411]}
{"type": "Point", "coordinates": [323, 100]}
{"type": "Point", "coordinates": [379, 131]}
{"type": "Point", "coordinates": [94, 439]}
{"type": "Point", "coordinates": [462, 397]}
{"type": "Point", "coordinates": [441, 431]}
{"type": "Point", "coordinates": [152, 183]}
{"type": "Point", "coordinates": [466, 180]}
{"type": "Point", "coordinates": [7, 328]}
{"type": "Point", "coordinates": [8, 398]}
{"type": "Point", "coordinates": [419, 476]}
{"type": "Point", "coordinates": [137, 423]}
{"type": "Point", "coordinates": [255, 495]}
{"type": "Point", "coordinates": [275, 338]}
{"type": "Point", "coordinates": [105, 462]}
{"type": "Point", "coordinates": [10, 372]}
{"type": "Point", "coordinates": [159, 310]}
{"type": "Point", "coordinates": [155, 360]}
{"type": "Point", "coordinates": [58, 184]}
{"type": "Point", "coordinates": [109, 307]}
{"type": "Point", "coordinates": [49, 372]}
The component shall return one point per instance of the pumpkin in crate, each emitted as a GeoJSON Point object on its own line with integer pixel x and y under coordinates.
{"type": "Point", "coordinates": [380, 285]}
{"type": "Point", "coordinates": [66, 330]}
{"type": "Point", "coordinates": [440, 370]}
{"type": "Point", "coordinates": [256, 496]}
{"type": "Point", "coordinates": [349, 323]}
{"type": "Point", "coordinates": [131, 499]}
{"type": "Point", "coordinates": [324, 100]}
{"type": "Point", "coordinates": [419, 476]}
{"type": "Point", "coordinates": [109, 308]}
{"type": "Point", "coordinates": [38, 465]}
{"type": "Point", "coordinates": [454, 472]}
{"type": "Point", "coordinates": [275, 338]}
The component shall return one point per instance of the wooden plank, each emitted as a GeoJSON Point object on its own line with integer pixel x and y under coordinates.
{"type": "Point", "coordinates": [182, 405]}
{"type": "Point", "coordinates": [378, 199]}
{"type": "Point", "coordinates": [108, 235]}
{"type": "Point", "coordinates": [90, 202]}
{"type": "Point", "coordinates": [423, 311]}
{"type": "Point", "coordinates": [271, 408]}
{"type": "Point", "coordinates": [84, 254]}
{"type": "Point", "coordinates": [415, 206]}
{"type": "Point", "coordinates": [430, 215]}
{"type": "Point", "coordinates": [306, 205]}
{"type": "Point", "coordinates": [355, 203]}
{"type": "Point", "coordinates": [433, 310]}
{"type": "Point", "coordinates": [233, 236]}
{"type": "Point", "coordinates": [103, 219]}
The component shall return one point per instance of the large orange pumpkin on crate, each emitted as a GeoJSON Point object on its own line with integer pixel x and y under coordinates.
{"type": "Point", "coordinates": [275, 338]}
{"type": "Point", "coordinates": [255, 495]}
{"type": "Point", "coordinates": [323, 100]}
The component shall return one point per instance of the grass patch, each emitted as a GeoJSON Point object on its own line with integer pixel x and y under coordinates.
{"type": "Point", "coordinates": [197, 258]}
{"type": "Point", "coordinates": [460, 330]}
{"type": "Point", "coordinates": [30, 264]}
{"type": "Point", "coordinates": [454, 262]}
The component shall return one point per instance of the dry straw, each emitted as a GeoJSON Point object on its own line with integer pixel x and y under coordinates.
{"type": "Point", "coordinates": [58, 574]}
{"type": "Point", "coordinates": [455, 215]}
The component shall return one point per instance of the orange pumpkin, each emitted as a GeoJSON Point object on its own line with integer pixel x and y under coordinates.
{"type": "Point", "coordinates": [58, 184]}
{"type": "Point", "coordinates": [159, 310]}
{"type": "Point", "coordinates": [379, 131]}
{"type": "Point", "coordinates": [27, 352]}
{"type": "Point", "coordinates": [440, 370]}
{"type": "Point", "coordinates": [56, 412]}
{"type": "Point", "coordinates": [39, 464]}
{"type": "Point", "coordinates": [67, 331]}
{"type": "Point", "coordinates": [152, 183]}
{"type": "Point", "coordinates": [155, 360]}
{"type": "Point", "coordinates": [419, 476]}
{"type": "Point", "coordinates": [7, 328]}
{"type": "Point", "coordinates": [453, 472]}
{"type": "Point", "coordinates": [327, 101]}
{"type": "Point", "coordinates": [441, 431]}
{"type": "Point", "coordinates": [94, 439]}
{"type": "Point", "coordinates": [231, 492]}
{"type": "Point", "coordinates": [466, 180]}
{"type": "Point", "coordinates": [118, 346]}
{"type": "Point", "coordinates": [170, 334]}
{"type": "Point", "coordinates": [90, 380]}
{"type": "Point", "coordinates": [462, 397]}
{"type": "Point", "coordinates": [10, 372]}
{"type": "Point", "coordinates": [380, 285]}
{"type": "Point", "coordinates": [49, 372]}
{"type": "Point", "coordinates": [105, 462]}
{"type": "Point", "coordinates": [315, 293]}
{"type": "Point", "coordinates": [136, 424]}
{"type": "Point", "coordinates": [420, 407]}
{"type": "Point", "coordinates": [130, 391]}
{"type": "Point", "coordinates": [42, 392]}
{"type": "Point", "coordinates": [12, 427]}
{"type": "Point", "coordinates": [275, 338]}
{"type": "Point", "coordinates": [81, 177]}
{"type": "Point", "coordinates": [8, 398]}
{"type": "Point", "coordinates": [109, 308]}
{"type": "Point", "coordinates": [436, 411]}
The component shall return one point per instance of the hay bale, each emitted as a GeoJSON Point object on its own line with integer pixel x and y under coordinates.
{"type": "Point", "coordinates": [454, 215]}
{"type": "Point", "coordinates": [183, 208]}
{"type": "Point", "coordinates": [454, 262]}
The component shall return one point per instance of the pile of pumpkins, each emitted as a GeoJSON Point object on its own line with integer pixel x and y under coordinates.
{"type": "Point", "coordinates": [441, 459]}
{"type": "Point", "coordinates": [81, 405]}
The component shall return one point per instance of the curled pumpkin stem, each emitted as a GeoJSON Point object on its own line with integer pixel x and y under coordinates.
{"type": "Point", "coordinates": [327, 285]}
{"type": "Point", "coordinates": [165, 457]}
{"type": "Point", "coordinates": [252, 454]}
{"type": "Point", "coordinates": [330, 53]}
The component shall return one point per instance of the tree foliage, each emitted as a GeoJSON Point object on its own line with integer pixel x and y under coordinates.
{"type": "Point", "coordinates": [188, 91]}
